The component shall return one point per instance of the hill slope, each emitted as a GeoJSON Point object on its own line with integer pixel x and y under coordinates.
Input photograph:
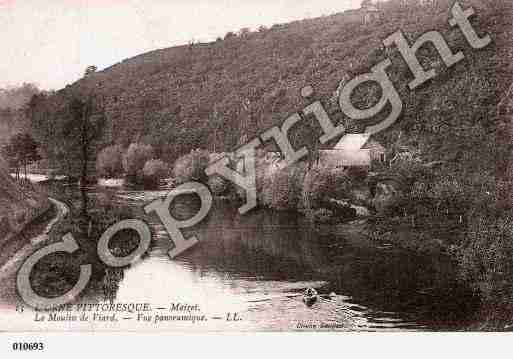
{"type": "Point", "coordinates": [213, 94]}
{"type": "Point", "coordinates": [18, 206]}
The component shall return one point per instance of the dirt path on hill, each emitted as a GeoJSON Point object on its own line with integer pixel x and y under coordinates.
{"type": "Point", "coordinates": [34, 236]}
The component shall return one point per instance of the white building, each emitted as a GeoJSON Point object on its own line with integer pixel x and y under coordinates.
{"type": "Point", "coordinates": [354, 150]}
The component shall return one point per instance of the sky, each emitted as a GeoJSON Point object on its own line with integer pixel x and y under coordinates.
{"type": "Point", "coordinates": [51, 42]}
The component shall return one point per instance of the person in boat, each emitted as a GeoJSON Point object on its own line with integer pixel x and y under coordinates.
{"type": "Point", "coordinates": [310, 296]}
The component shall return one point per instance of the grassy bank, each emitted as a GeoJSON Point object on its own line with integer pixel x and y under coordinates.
{"type": "Point", "coordinates": [57, 273]}
{"type": "Point", "coordinates": [9, 247]}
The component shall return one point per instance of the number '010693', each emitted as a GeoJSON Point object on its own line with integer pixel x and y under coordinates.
{"type": "Point", "coordinates": [36, 346]}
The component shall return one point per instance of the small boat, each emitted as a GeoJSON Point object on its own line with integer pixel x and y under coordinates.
{"type": "Point", "coordinates": [310, 297]}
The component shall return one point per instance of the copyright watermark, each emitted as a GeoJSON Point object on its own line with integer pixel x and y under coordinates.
{"type": "Point", "coordinates": [244, 175]}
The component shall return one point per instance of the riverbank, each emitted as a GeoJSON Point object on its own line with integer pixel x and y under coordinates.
{"type": "Point", "coordinates": [353, 217]}
{"type": "Point", "coordinates": [35, 229]}
{"type": "Point", "coordinates": [57, 273]}
{"type": "Point", "coordinates": [15, 251]}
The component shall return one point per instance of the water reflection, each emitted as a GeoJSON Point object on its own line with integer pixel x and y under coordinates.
{"type": "Point", "coordinates": [260, 263]}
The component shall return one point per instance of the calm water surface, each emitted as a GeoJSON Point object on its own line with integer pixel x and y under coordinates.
{"type": "Point", "coordinates": [259, 264]}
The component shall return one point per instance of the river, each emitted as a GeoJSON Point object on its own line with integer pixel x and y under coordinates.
{"type": "Point", "coordinates": [259, 264]}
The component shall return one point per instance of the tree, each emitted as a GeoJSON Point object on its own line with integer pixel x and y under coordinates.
{"type": "Point", "coordinates": [191, 167]}
{"type": "Point", "coordinates": [154, 171]}
{"type": "Point", "coordinates": [134, 160]}
{"type": "Point", "coordinates": [90, 70]}
{"type": "Point", "coordinates": [28, 151]}
{"type": "Point", "coordinates": [15, 98]}
{"type": "Point", "coordinates": [21, 151]}
{"type": "Point", "coordinates": [244, 32]}
{"type": "Point", "coordinates": [230, 35]}
{"type": "Point", "coordinates": [82, 128]}
{"type": "Point", "coordinates": [10, 155]}
{"type": "Point", "coordinates": [39, 110]}
{"type": "Point", "coordinates": [109, 163]}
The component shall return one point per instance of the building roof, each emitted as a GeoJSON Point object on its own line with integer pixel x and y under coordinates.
{"type": "Point", "coordinates": [345, 158]}
{"type": "Point", "coordinates": [352, 142]}
{"type": "Point", "coordinates": [375, 145]}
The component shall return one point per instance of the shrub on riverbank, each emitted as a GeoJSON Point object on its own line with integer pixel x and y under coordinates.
{"type": "Point", "coordinates": [459, 216]}
{"type": "Point", "coordinates": [322, 183]}
{"type": "Point", "coordinates": [191, 167]}
{"type": "Point", "coordinates": [286, 187]}
{"type": "Point", "coordinates": [298, 188]}
{"type": "Point", "coordinates": [218, 185]}
{"type": "Point", "coordinates": [485, 251]}
{"type": "Point", "coordinates": [154, 171]}
{"type": "Point", "coordinates": [321, 215]}
{"type": "Point", "coordinates": [109, 163]}
{"type": "Point", "coordinates": [134, 160]}
{"type": "Point", "coordinates": [485, 263]}
{"type": "Point", "coordinates": [266, 168]}
{"type": "Point", "coordinates": [276, 188]}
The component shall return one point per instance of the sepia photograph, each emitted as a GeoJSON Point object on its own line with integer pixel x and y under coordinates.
{"type": "Point", "coordinates": [255, 166]}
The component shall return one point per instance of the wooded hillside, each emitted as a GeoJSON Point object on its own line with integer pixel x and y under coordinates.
{"type": "Point", "coordinates": [210, 95]}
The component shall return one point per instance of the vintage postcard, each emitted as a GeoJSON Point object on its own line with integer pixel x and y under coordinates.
{"type": "Point", "coordinates": [258, 166]}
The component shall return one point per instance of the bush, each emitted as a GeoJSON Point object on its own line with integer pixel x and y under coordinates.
{"type": "Point", "coordinates": [446, 197]}
{"type": "Point", "coordinates": [134, 160]}
{"type": "Point", "coordinates": [218, 185]}
{"type": "Point", "coordinates": [286, 187]}
{"type": "Point", "coordinates": [321, 215]}
{"type": "Point", "coordinates": [109, 163]}
{"type": "Point", "coordinates": [357, 174]}
{"type": "Point", "coordinates": [191, 167]}
{"type": "Point", "coordinates": [230, 35]}
{"type": "Point", "coordinates": [407, 171]}
{"type": "Point", "coordinates": [265, 169]}
{"type": "Point", "coordinates": [447, 194]}
{"type": "Point", "coordinates": [321, 183]}
{"type": "Point", "coordinates": [295, 187]}
{"type": "Point", "coordinates": [154, 171]}
{"type": "Point", "coordinates": [485, 262]}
